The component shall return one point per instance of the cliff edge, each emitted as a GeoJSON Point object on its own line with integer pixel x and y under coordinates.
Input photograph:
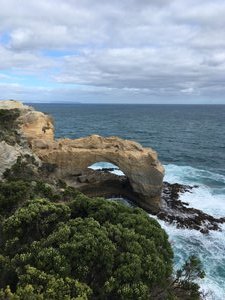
{"type": "Point", "coordinates": [72, 157]}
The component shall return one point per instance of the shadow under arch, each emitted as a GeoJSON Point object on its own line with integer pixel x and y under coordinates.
{"type": "Point", "coordinates": [106, 179]}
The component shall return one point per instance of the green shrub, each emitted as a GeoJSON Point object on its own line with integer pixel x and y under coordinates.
{"type": "Point", "coordinates": [12, 194]}
{"type": "Point", "coordinates": [105, 249]}
{"type": "Point", "coordinates": [9, 125]}
{"type": "Point", "coordinates": [25, 168]}
{"type": "Point", "coordinates": [82, 248]}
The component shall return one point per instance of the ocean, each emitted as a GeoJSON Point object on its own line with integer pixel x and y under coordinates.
{"type": "Point", "coordinates": [190, 141]}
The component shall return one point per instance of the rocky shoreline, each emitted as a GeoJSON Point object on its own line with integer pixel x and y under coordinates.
{"type": "Point", "coordinates": [103, 183]}
{"type": "Point", "coordinates": [177, 212]}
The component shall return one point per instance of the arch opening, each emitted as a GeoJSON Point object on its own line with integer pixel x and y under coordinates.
{"type": "Point", "coordinates": [106, 167]}
{"type": "Point", "coordinates": [105, 179]}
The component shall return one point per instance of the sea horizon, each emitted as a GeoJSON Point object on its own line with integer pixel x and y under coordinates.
{"type": "Point", "coordinates": [135, 104]}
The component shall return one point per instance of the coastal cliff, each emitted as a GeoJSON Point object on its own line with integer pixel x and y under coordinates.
{"type": "Point", "coordinates": [71, 158]}
{"type": "Point", "coordinates": [57, 236]}
{"type": "Point", "coordinates": [28, 150]}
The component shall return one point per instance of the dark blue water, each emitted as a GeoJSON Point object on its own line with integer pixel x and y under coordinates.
{"type": "Point", "coordinates": [190, 141]}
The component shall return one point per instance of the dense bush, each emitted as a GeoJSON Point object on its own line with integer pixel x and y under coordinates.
{"type": "Point", "coordinates": [25, 168]}
{"type": "Point", "coordinates": [8, 118]}
{"type": "Point", "coordinates": [82, 248]}
{"type": "Point", "coordinates": [13, 193]}
{"type": "Point", "coordinates": [92, 249]}
{"type": "Point", "coordinates": [9, 125]}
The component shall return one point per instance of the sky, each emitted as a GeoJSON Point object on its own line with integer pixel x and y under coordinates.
{"type": "Point", "coordinates": [120, 51]}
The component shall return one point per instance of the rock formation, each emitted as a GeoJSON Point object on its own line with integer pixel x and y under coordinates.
{"type": "Point", "coordinates": [13, 139]}
{"type": "Point", "coordinates": [178, 213]}
{"type": "Point", "coordinates": [12, 104]}
{"type": "Point", "coordinates": [8, 156]}
{"type": "Point", "coordinates": [139, 164]}
{"type": "Point", "coordinates": [72, 157]}
{"type": "Point", "coordinates": [33, 124]}
{"type": "Point", "coordinates": [37, 125]}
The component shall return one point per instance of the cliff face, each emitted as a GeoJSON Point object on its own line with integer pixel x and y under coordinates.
{"type": "Point", "coordinates": [71, 157]}
{"type": "Point", "coordinates": [32, 124]}
{"type": "Point", "coordinates": [19, 124]}
{"type": "Point", "coordinates": [8, 156]}
{"type": "Point", "coordinates": [36, 125]}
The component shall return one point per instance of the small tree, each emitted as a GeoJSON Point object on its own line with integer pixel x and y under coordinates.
{"type": "Point", "coordinates": [185, 281]}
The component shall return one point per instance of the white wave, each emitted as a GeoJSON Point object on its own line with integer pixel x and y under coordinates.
{"type": "Point", "coordinates": [107, 165]}
{"type": "Point", "coordinates": [209, 248]}
{"type": "Point", "coordinates": [209, 196]}
{"type": "Point", "coordinates": [190, 175]}
{"type": "Point", "coordinates": [101, 165]}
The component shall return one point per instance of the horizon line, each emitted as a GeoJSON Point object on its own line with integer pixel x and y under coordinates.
{"type": "Point", "coordinates": [111, 103]}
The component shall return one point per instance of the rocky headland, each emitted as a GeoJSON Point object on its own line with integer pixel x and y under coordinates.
{"type": "Point", "coordinates": [27, 139]}
{"type": "Point", "coordinates": [70, 158]}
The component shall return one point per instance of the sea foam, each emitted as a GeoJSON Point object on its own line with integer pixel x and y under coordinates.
{"type": "Point", "coordinates": [209, 196]}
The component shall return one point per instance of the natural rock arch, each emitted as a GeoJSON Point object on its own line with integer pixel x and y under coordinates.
{"type": "Point", "coordinates": [140, 165]}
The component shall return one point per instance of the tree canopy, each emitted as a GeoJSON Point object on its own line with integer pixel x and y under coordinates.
{"type": "Point", "coordinates": [80, 249]}
{"type": "Point", "coordinates": [59, 244]}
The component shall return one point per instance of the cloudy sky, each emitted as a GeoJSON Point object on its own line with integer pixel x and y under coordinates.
{"type": "Point", "coordinates": [120, 51]}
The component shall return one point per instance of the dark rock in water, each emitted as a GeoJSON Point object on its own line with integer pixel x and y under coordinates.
{"type": "Point", "coordinates": [107, 170]}
{"type": "Point", "coordinates": [176, 212]}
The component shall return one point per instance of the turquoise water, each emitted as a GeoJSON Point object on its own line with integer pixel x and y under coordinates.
{"type": "Point", "coordinates": [190, 141]}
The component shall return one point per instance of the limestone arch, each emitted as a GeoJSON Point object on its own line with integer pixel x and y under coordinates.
{"type": "Point", "coordinates": [140, 165]}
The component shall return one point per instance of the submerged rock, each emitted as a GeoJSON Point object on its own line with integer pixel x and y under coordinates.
{"type": "Point", "coordinates": [176, 212]}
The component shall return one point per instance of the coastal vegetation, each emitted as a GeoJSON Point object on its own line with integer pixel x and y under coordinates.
{"type": "Point", "coordinates": [8, 125]}
{"type": "Point", "coordinates": [59, 244]}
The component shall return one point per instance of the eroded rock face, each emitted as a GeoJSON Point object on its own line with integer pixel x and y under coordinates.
{"type": "Point", "coordinates": [140, 165]}
{"type": "Point", "coordinates": [36, 125]}
{"type": "Point", "coordinates": [8, 156]}
{"type": "Point", "coordinates": [33, 124]}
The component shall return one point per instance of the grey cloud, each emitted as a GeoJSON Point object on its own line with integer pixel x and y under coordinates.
{"type": "Point", "coordinates": [23, 61]}
{"type": "Point", "coordinates": [164, 71]}
{"type": "Point", "coordinates": [160, 48]}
